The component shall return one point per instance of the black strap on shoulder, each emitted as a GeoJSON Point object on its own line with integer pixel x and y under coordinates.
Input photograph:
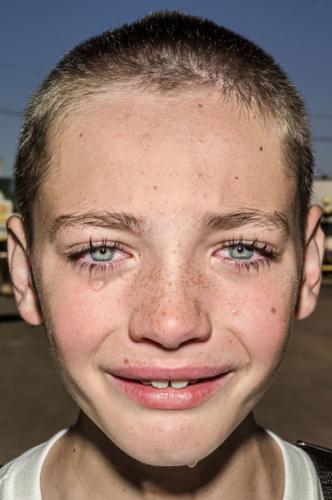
{"type": "Point", "coordinates": [322, 459]}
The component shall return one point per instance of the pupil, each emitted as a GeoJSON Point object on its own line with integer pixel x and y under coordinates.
{"type": "Point", "coordinates": [240, 248]}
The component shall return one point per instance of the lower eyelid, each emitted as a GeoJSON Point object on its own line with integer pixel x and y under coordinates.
{"type": "Point", "coordinates": [95, 267]}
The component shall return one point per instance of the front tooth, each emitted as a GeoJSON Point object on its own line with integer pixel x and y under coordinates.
{"type": "Point", "coordinates": [159, 384]}
{"type": "Point", "coordinates": [179, 384]}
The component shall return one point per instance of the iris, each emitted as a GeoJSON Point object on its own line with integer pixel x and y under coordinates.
{"type": "Point", "coordinates": [102, 254]}
{"type": "Point", "coordinates": [241, 252]}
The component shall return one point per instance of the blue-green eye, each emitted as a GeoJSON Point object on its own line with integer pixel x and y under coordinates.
{"type": "Point", "coordinates": [241, 252]}
{"type": "Point", "coordinates": [102, 254]}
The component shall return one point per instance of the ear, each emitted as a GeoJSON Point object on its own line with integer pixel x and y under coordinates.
{"type": "Point", "coordinates": [312, 261]}
{"type": "Point", "coordinates": [21, 273]}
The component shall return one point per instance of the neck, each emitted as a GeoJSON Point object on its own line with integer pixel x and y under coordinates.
{"type": "Point", "coordinates": [247, 464]}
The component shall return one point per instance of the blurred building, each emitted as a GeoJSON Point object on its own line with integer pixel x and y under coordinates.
{"type": "Point", "coordinates": [322, 194]}
{"type": "Point", "coordinates": [322, 190]}
{"type": "Point", "coordinates": [6, 210]}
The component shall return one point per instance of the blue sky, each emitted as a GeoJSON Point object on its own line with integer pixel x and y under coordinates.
{"type": "Point", "coordinates": [35, 34]}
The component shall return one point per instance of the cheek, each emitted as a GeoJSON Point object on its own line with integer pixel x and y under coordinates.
{"type": "Point", "coordinates": [260, 319]}
{"type": "Point", "coordinates": [79, 320]}
{"type": "Point", "coordinates": [266, 333]}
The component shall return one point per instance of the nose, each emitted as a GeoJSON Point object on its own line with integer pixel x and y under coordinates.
{"type": "Point", "coordinates": [169, 317]}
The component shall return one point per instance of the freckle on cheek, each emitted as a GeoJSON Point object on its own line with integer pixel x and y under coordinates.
{"type": "Point", "coordinates": [125, 360]}
{"type": "Point", "coordinates": [273, 310]}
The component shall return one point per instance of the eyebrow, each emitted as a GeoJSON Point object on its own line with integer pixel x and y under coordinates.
{"type": "Point", "coordinates": [234, 220]}
{"type": "Point", "coordinates": [107, 220]}
{"type": "Point", "coordinates": [209, 221]}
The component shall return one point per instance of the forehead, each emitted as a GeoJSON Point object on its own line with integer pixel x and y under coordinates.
{"type": "Point", "coordinates": [140, 152]}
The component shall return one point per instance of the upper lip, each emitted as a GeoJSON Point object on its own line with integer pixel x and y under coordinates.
{"type": "Point", "coordinates": [157, 373]}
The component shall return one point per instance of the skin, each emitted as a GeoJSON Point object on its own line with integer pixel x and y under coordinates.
{"type": "Point", "coordinates": [179, 296]}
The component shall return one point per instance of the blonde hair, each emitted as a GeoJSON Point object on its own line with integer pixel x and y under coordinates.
{"type": "Point", "coordinates": [163, 52]}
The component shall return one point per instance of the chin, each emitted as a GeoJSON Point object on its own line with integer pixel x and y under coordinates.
{"type": "Point", "coordinates": [170, 449]}
{"type": "Point", "coordinates": [177, 458]}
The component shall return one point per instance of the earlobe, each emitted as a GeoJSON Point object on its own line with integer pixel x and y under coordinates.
{"type": "Point", "coordinates": [21, 274]}
{"type": "Point", "coordinates": [312, 261]}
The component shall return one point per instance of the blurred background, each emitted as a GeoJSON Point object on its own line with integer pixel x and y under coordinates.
{"type": "Point", "coordinates": [33, 37]}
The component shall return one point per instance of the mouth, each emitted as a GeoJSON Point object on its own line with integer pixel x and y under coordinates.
{"type": "Point", "coordinates": [170, 393]}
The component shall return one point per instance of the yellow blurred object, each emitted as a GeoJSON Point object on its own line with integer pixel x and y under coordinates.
{"type": "Point", "coordinates": [326, 203]}
{"type": "Point", "coordinates": [6, 210]}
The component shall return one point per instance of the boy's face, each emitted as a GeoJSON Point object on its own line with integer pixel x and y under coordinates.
{"type": "Point", "coordinates": [203, 284]}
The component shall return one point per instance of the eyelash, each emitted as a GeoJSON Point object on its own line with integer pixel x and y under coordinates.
{"type": "Point", "coordinates": [268, 254]}
{"type": "Point", "coordinates": [98, 267]}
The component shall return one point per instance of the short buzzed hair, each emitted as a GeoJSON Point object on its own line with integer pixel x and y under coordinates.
{"type": "Point", "coordinates": [165, 52]}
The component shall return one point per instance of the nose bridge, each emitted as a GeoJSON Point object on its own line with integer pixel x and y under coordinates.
{"type": "Point", "coordinates": [174, 297]}
{"type": "Point", "coordinates": [170, 312]}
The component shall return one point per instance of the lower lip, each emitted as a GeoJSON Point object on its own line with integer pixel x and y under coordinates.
{"type": "Point", "coordinates": [171, 399]}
